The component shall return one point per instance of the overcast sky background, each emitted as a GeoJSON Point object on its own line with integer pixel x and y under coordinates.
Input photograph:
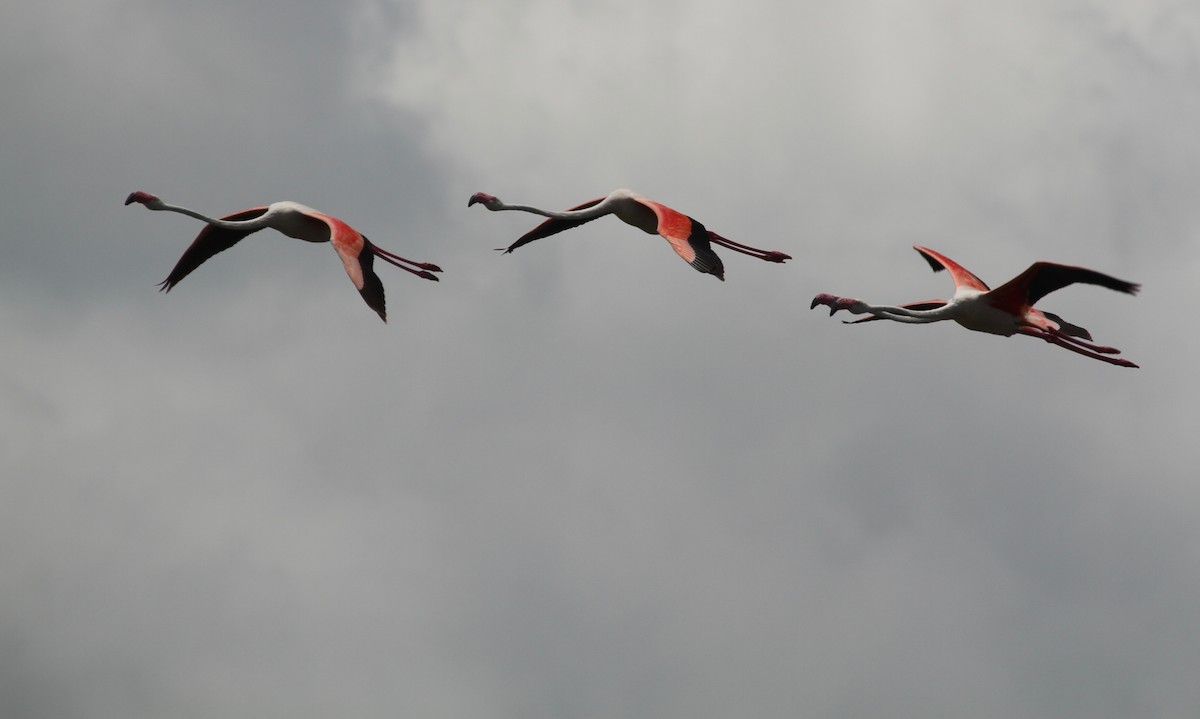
{"type": "Point", "coordinates": [584, 480]}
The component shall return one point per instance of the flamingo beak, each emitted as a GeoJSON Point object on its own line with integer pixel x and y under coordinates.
{"type": "Point", "coordinates": [139, 196]}
{"type": "Point", "coordinates": [481, 197]}
{"type": "Point", "coordinates": [824, 299]}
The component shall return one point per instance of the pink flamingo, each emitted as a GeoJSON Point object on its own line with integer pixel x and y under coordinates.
{"type": "Point", "coordinates": [1006, 310]}
{"type": "Point", "coordinates": [688, 237]}
{"type": "Point", "coordinates": [294, 220]}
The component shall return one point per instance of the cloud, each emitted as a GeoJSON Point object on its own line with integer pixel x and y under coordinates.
{"type": "Point", "coordinates": [583, 479]}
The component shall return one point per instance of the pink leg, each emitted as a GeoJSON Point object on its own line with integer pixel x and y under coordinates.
{"type": "Point", "coordinates": [1084, 343]}
{"type": "Point", "coordinates": [768, 255]}
{"type": "Point", "coordinates": [1078, 346]}
{"type": "Point", "coordinates": [396, 260]}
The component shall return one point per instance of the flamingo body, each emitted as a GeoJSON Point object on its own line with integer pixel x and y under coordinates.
{"type": "Point", "coordinates": [981, 316]}
{"type": "Point", "coordinates": [1006, 310]}
{"type": "Point", "coordinates": [688, 237]}
{"type": "Point", "coordinates": [294, 220]}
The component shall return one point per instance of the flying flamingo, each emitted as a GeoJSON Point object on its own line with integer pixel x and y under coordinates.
{"type": "Point", "coordinates": [1006, 310]}
{"type": "Point", "coordinates": [690, 239]}
{"type": "Point", "coordinates": [294, 220]}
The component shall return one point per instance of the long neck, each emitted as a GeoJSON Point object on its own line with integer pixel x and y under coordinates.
{"type": "Point", "coordinates": [904, 314]}
{"type": "Point", "coordinates": [251, 224]}
{"type": "Point", "coordinates": [587, 213]}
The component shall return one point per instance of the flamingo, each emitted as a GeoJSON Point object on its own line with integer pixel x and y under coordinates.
{"type": "Point", "coordinates": [1006, 310]}
{"type": "Point", "coordinates": [690, 239]}
{"type": "Point", "coordinates": [294, 220]}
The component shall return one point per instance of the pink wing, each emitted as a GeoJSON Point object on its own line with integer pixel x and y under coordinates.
{"type": "Point", "coordinates": [688, 238]}
{"type": "Point", "coordinates": [962, 276]}
{"type": "Point", "coordinates": [358, 256]}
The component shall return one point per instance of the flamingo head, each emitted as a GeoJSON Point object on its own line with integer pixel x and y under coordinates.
{"type": "Point", "coordinates": [489, 201]}
{"type": "Point", "coordinates": [834, 303]}
{"type": "Point", "coordinates": [144, 198]}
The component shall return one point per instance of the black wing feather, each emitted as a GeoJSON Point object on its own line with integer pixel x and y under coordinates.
{"type": "Point", "coordinates": [372, 289]}
{"type": "Point", "coordinates": [209, 242]}
{"type": "Point", "coordinates": [705, 260]}
{"type": "Point", "coordinates": [1046, 277]}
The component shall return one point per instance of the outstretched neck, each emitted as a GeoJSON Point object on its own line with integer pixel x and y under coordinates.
{"type": "Point", "coordinates": [586, 213]}
{"type": "Point", "coordinates": [502, 207]}
{"type": "Point", "coordinates": [907, 315]}
{"type": "Point", "coordinates": [253, 223]}
{"type": "Point", "coordinates": [580, 213]}
{"type": "Point", "coordinates": [185, 211]}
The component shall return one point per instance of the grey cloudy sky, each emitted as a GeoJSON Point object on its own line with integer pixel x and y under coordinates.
{"type": "Point", "coordinates": [583, 480]}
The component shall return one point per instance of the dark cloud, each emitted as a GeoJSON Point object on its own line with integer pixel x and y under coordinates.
{"type": "Point", "coordinates": [583, 479]}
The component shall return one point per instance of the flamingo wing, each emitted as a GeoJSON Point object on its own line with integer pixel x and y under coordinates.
{"type": "Point", "coordinates": [688, 238]}
{"type": "Point", "coordinates": [926, 305]}
{"type": "Point", "coordinates": [962, 276]}
{"type": "Point", "coordinates": [371, 288]}
{"type": "Point", "coordinates": [209, 242]}
{"type": "Point", "coordinates": [1042, 278]}
{"type": "Point", "coordinates": [553, 226]}
{"type": "Point", "coordinates": [358, 257]}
